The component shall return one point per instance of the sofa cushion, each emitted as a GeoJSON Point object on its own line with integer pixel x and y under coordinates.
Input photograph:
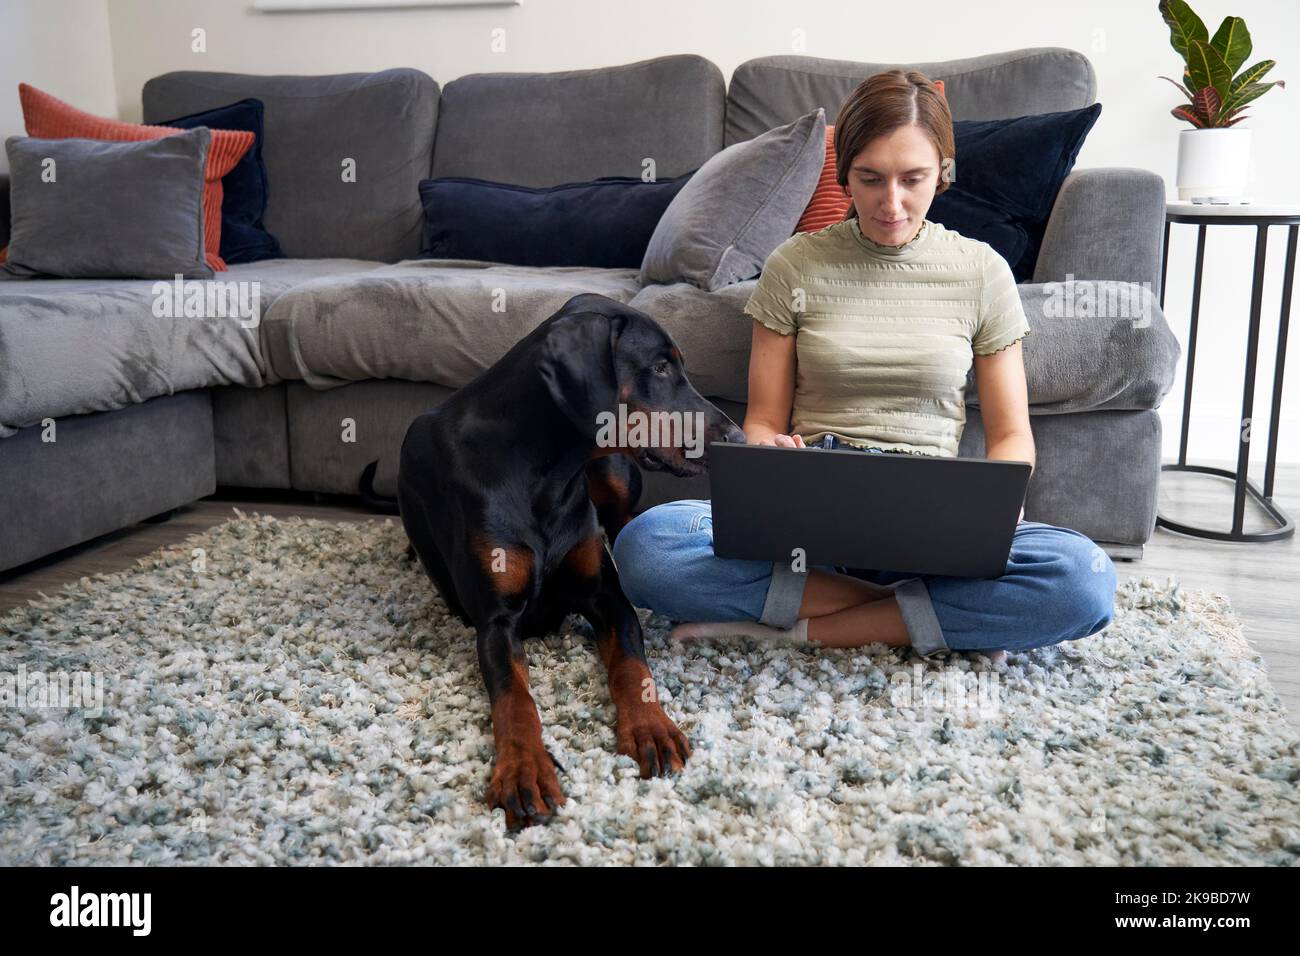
{"type": "Point", "coordinates": [318, 129]}
{"type": "Point", "coordinates": [1096, 346]}
{"type": "Point", "coordinates": [771, 90]}
{"type": "Point", "coordinates": [70, 346]}
{"type": "Point", "coordinates": [243, 190]}
{"type": "Point", "coordinates": [427, 320]}
{"type": "Point", "coordinates": [1125, 360]}
{"type": "Point", "coordinates": [1015, 166]}
{"type": "Point", "coordinates": [544, 129]}
{"type": "Point", "coordinates": [381, 410]}
{"type": "Point", "coordinates": [710, 328]}
{"type": "Point", "coordinates": [740, 205]}
{"type": "Point", "coordinates": [607, 223]}
{"type": "Point", "coordinates": [48, 117]}
{"type": "Point", "coordinates": [115, 210]}
{"type": "Point", "coordinates": [102, 472]}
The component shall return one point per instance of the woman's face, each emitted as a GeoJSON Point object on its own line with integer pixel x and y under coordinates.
{"type": "Point", "coordinates": [892, 183]}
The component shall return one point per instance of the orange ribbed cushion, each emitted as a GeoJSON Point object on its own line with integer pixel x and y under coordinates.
{"type": "Point", "coordinates": [48, 117]}
{"type": "Point", "coordinates": [829, 204]}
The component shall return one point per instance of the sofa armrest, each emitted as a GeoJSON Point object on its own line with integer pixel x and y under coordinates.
{"type": "Point", "coordinates": [1107, 223]}
{"type": "Point", "coordinates": [1093, 346]}
{"type": "Point", "coordinates": [4, 210]}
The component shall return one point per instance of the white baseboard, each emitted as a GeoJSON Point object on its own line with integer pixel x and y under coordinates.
{"type": "Point", "coordinates": [1216, 437]}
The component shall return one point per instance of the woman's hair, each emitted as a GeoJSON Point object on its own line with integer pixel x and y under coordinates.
{"type": "Point", "coordinates": [883, 103]}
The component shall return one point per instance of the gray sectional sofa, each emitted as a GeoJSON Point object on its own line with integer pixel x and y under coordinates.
{"type": "Point", "coordinates": [356, 337]}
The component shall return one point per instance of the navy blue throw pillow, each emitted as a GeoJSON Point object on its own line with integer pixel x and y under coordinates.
{"type": "Point", "coordinates": [244, 188]}
{"type": "Point", "coordinates": [604, 224]}
{"type": "Point", "coordinates": [1008, 174]}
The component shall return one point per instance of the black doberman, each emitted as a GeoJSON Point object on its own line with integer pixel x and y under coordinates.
{"type": "Point", "coordinates": [503, 490]}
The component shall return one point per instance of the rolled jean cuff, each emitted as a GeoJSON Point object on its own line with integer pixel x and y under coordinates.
{"type": "Point", "coordinates": [918, 615]}
{"type": "Point", "coordinates": [784, 596]}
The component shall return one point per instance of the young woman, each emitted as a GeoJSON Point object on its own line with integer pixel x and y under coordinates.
{"type": "Point", "coordinates": [863, 336]}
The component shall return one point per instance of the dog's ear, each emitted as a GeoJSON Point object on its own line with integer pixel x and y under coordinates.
{"type": "Point", "coordinates": [578, 364]}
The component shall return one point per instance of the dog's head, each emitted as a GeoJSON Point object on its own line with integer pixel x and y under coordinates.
{"type": "Point", "coordinates": [621, 380]}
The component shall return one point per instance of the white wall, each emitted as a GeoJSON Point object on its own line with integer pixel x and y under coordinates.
{"type": "Point", "coordinates": [65, 46]}
{"type": "Point", "coordinates": [61, 46]}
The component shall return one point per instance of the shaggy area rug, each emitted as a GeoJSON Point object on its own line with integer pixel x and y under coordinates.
{"type": "Point", "coordinates": [294, 691]}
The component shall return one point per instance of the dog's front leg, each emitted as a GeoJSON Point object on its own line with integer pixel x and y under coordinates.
{"type": "Point", "coordinates": [523, 774]}
{"type": "Point", "coordinates": [644, 732]}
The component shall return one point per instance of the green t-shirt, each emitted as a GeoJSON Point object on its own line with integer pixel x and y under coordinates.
{"type": "Point", "coordinates": [887, 335]}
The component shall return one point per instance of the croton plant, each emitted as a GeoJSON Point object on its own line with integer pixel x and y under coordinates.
{"type": "Point", "coordinates": [1216, 93]}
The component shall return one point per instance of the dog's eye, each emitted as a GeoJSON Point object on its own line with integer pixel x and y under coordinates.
{"type": "Point", "coordinates": [660, 368]}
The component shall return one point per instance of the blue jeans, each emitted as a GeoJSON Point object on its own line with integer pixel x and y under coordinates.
{"type": "Point", "coordinates": [1058, 586]}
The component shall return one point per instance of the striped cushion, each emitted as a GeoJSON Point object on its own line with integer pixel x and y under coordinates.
{"type": "Point", "coordinates": [48, 117]}
{"type": "Point", "coordinates": [828, 204]}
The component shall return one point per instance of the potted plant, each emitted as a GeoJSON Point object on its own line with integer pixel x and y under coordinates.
{"type": "Point", "coordinates": [1214, 156]}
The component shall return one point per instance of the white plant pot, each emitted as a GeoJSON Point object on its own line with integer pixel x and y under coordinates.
{"type": "Point", "coordinates": [1213, 163]}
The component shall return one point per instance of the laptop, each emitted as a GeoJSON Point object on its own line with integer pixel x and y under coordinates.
{"type": "Point", "coordinates": [885, 511]}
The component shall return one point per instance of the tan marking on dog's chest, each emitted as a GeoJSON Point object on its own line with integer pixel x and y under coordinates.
{"type": "Point", "coordinates": [508, 567]}
{"type": "Point", "coordinates": [585, 558]}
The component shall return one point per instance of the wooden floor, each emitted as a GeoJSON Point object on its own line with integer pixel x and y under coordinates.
{"type": "Point", "coordinates": [1262, 580]}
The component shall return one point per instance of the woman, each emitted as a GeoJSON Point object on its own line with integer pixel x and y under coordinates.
{"type": "Point", "coordinates": [885, 311]}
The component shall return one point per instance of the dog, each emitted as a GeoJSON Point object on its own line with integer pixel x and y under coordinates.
{"type": "Point", "coordinates": [503, 490]}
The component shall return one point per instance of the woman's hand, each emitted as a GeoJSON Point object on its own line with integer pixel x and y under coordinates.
{"type": "Point", "coordinates": [783, 441]}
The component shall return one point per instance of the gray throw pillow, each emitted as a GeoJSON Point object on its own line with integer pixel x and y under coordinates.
{"type": "Point", "coordinates": [107, 210]}
{"type": "Point", "coordinates": [739, 206]}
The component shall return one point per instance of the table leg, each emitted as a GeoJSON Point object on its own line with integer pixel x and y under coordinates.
{"type": "Point", "coordinates": [1284, 320]}
{"type": "Point", "coordinates": [1248, 393]}
{"type": "Point", "coordinates": [1164, 266]}
{"type": "Point", "coordinates": [1284, 525]}
{"type": "Point", "coordinates": [1191, 344]}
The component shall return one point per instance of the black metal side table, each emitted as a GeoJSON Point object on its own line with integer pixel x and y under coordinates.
{"type": "Point", "coordinates": [1260, 216]}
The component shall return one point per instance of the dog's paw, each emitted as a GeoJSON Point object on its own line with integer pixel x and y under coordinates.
{"type": "Point", "coordinates": [648, 736]}
{"type": "Point", "coordinates": [524, 784]}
